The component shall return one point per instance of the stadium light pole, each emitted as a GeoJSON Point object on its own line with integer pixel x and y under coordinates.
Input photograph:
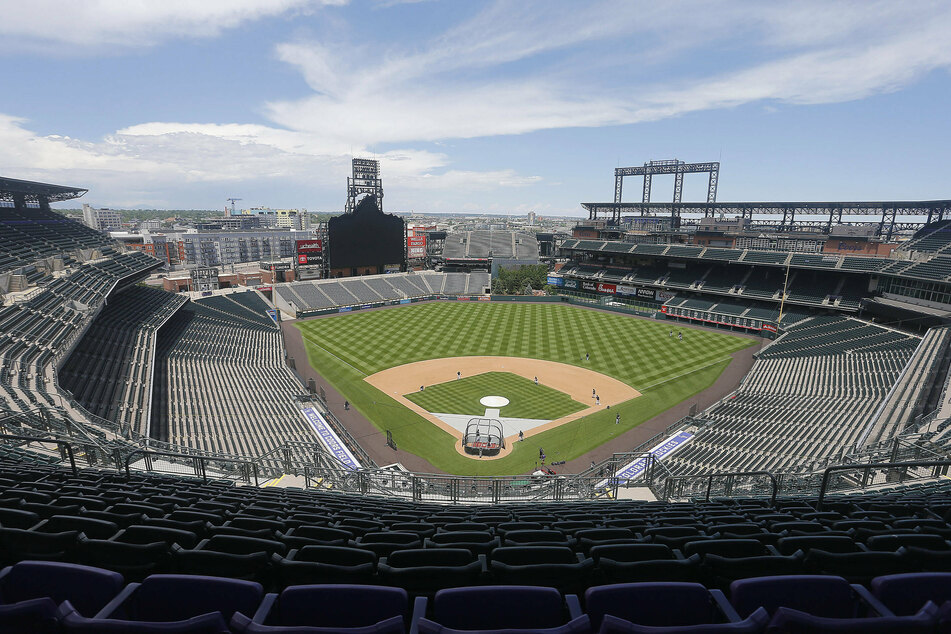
{"type": "Point", "coordinates": [782, 300]}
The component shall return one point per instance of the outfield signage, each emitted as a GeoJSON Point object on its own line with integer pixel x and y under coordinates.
{"type": "Point", "coordinates": [571, 283]}
{"type": "Point", "coordinates": [272, 314]}
{"type": "Point", "coordinates": [607, 288]}
{"type": "Point", "coordinates": [416, 247]}
{"type": "Point", "coordinates": [646, 293]}
{"type": "Point", "coordinates": [329, 439]}
{"type": "Point", "coordinates": [663, 296]}
{"type": "Point", "coordinates": [634, 469]}
{"type": "Point", "coordinates": [624, 289]}
{"type": "Point", "coordinates": [556, 281]}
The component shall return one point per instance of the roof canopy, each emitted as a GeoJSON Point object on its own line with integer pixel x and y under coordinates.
{"type": "Point", "coordinates": [9, 187]}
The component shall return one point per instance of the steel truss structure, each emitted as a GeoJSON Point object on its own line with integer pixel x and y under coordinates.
{"type": "Point", "coordinates": [672, 166]}
{"type": "Point", "coordinates": [365, 180]}
{"type": "Point", "coordinates": [787, 216]}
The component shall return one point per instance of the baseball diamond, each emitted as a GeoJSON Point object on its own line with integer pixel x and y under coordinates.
{"type": "Point", "coordinates": [640, 353]}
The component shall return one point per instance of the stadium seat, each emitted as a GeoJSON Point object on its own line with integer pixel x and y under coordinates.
{"type": "Point", "coordinates": [658, 604]}
{"type": "Point", "coordinates": [509, 608]}
{"type": "Point", "coordinates": [790, 621]}
{"type": "Point", "coordinates": [325, 564]}
{"type": "Point", "coordinates": [133, 561]}
{"type": "Point", "coordinates": [386, 542]}
{"type": "Point", "coordinates": [424, 571]}
{"type": "Point", "coordinates": [164, 598]}
{"type": "Point", "coordinates": [905, 594]}
{"type": "Point", "coordinates": [89, 589]}
{"type": "Point", "coordinates": [96, 529]}
{"type": "Point", "coordinates": [143, 534]}
{"type": "Point", "coordinates": [859, 567]}
{"type": "Point", "coordinates": [824, 596]}
{"type": "Point", "coordinates": [552, 566]}
{"type": "Point", "coordinates": [17, 544]}
{"type": "Point", "coordinates": [33, 616]}
{"type": "Point", "coordinates": [338, 608]}
{"type": "Point", "coordinates": [481, 542]}
{"type": "Point", "coordinates": [719, 572]}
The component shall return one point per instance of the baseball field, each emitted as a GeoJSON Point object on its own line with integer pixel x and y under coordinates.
{"type": "Point", "coordinates": [567, 348]}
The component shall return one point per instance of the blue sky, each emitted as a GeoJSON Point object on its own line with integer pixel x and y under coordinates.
{"type": "Point", "coordinates": [496, 106]}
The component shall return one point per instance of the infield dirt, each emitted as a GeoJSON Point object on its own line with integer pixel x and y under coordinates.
{"type": "Point", "coordinates": [576, 382]}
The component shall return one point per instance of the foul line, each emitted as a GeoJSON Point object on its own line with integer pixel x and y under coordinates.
{"type": "Point", "coordinates": [303, 336]}
{"type": "Point", "coordinates": [667, 380]}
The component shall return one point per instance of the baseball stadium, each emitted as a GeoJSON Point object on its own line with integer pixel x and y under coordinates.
{"type": "Point", "coordinates": [712, 398]}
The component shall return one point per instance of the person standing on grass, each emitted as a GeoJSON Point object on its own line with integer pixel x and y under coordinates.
{"type": "Point", "coordinates": [617, 419]}
{"type": "Point", "coordinates": [587, 357]}
{"type": "Point", "coordinates": [536, 380]}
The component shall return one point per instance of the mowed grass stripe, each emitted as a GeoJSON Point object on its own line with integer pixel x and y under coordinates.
{"type": "Point", "coordinates": [636, 351]}
{"type": "Point", "coordinates": [526, 400]}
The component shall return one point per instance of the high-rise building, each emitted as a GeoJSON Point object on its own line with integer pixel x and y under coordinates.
{"type": "Point", "coordinates": [101, 219]}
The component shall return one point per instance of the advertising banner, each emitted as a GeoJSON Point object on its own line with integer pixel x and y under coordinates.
{"type": "Point", "coordinates": [416, 247]}
{"type": "Point", "coordinates": [556, 281]}
{"type": "Point", "coordinates": [635, 468]}
{"type": "Point", "coordinates": [624, 289]}
{"type": "Point", "coordinates": [663, 296]}
{"type": "Point", "coordinates": [645, 293]}
{"type": "Point", "coordinates": [329, 438]}
{"type": "Point", "coordinates": [607, 288]}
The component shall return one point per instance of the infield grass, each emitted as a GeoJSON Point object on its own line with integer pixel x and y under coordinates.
{"type": "Point", "coordinates": [526, 400]}
{"type": "Point", "coordinates": [345, 348]}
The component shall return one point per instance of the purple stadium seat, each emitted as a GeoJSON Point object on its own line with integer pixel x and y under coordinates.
{"type": "Point", "coordinates": [163, 598]}
{"type": "Point", "coordinates": [753, 624]}
{"type": "Point", "coordinates": [904, 594]}
{"type": "Point", "coordinates": [72, 621]}
{"type": "Point", "coordinates": [789, 621]}
{"type": "Point", "coordinates": [242, 624]}
{"type": "Point", "coordinates": [34, 616]}
{"type": "Point", "coordinates": [579, 625]}
{"type": "Point", "coordinates": [658, 604]}
{"type": "Point", "coordinates": [497, 607]}
{"type": "Point", "coordinates": [89, 589]}
{"type": "Point", "coordinates": [825, 596]}
{"type": "Point", "coordinates": [338, 607]}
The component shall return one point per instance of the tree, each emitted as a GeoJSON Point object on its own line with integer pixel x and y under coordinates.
{"type": "Point", "coordinates": [521, 280]}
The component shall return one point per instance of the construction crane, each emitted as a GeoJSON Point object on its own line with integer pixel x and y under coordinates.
{"type": "Point", "coordinates": [233, 200]}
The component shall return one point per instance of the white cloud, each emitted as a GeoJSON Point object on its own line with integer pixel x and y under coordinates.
{"type": "Point", "coordinates": [155, 156]}
{"type": "Point", "coordinates": [98, 23]}
{"type": "Point", "coordinates": [461, 85]}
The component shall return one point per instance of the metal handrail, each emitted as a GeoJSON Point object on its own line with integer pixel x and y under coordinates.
{"type": "Point", "coordinates": [199, 462]}
{"type": "Point", "coordinates": [827, 474]}
{"type": "Point", "coordinates": [710, 476]}
{"type": "Point", "coordinates": [59, 443]}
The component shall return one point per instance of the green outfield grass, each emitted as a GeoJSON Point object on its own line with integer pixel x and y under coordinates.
{"type": "Point", "coordinates": [526, 400]}
{"type": "Point", "coordinates": [636, 351]}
